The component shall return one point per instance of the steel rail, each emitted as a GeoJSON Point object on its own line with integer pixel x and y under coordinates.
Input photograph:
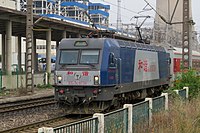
{"type": "Point", "coordinates": [54, 122]}
{"type": "Point", "coordinates": [27, 105]}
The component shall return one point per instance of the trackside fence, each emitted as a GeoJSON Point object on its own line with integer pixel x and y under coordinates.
{"type": "Point", "coordinates": [116, 121]}
{"type": "Point", "coordinates": [184, 93]}
{"type": "Point", "coordinates": [130, 119]}
{"type": "Point", "coordinates": [85, 126]}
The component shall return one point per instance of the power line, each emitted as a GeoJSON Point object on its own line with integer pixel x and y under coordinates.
{"type": "Point", "coordinates": [162, 11]}
{"type": "Point", "coordinates": [121, 14]}
{"type": "Point", "coordinates": [120, 7]}
{"type": "Point", "coordinates": [139, 13]}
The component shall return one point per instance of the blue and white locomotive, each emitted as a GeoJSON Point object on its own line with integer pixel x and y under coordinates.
{"type": "Point", "coordinates": [94, 74]}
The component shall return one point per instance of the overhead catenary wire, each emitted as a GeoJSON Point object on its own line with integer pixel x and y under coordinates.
{"type": "Point", "coordinates": [156, 12]}
{"type": "Point", "coordinates": [167, 22]}
{"type": "Point", "coordinates": [161, 10]}
{"type": "Point", "coordinates": [150, 8]}
{"type": "Point", "coordinates": [174, 11]}
{"type": "Point", "coordinates": [120, 7]}
{"type": "Point", "coordinates": [139, 13]}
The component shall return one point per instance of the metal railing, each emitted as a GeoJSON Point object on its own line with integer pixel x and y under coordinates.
{"type": "Point", "coordinates": [85, 126]}
{"type": "Point", "coordinates": [116, 121]}
{"type": "Point", "coordinates": [183, 93]}
{"type": "Point", "coordinates": [140, 112]}
{"type": "Point", "coordinates": [158, 104]}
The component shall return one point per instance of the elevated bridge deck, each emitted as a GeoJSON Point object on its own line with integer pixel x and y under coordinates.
{"type": "Point", "coordinates": [18, 19]}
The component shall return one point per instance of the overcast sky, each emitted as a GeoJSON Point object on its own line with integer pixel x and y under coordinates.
{"type": "Point", "coordinates": [137, 5]}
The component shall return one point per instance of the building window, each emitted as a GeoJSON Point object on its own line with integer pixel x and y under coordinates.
{"type": "Point", "coordinates": [38, 11]}
{"type": "Point", "coordinates": [38, 4]}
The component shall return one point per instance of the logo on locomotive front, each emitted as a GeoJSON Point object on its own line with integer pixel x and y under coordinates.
{"type": "Point", "coordinates": [77, 76]}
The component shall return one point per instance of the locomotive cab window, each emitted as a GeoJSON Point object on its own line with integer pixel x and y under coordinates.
{"type": "Point", "coordinates": [69, 57]}
{"type": "Point", "coordinates": [89, 57]}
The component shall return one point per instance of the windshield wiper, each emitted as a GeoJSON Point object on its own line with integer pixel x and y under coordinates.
{"type": "Point", "coordinates": [63, 65]}
{"type": "Point", "coordinates": [92, 65]}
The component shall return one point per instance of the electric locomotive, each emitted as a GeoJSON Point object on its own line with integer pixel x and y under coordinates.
{"type": "Point", "coordinates": [94, 74]}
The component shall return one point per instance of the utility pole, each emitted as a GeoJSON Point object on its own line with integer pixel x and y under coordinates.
{"type": "Point", "coordinates": [186, 36]}
{"type": "Point", "coordinates": [167, 25]}
{"type": "Point", "coordinates": [119, 20]}
{"type": "Point", "coordinates": [29, 47]}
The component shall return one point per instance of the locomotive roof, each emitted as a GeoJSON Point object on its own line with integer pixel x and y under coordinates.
{"type": "Point", "coordinates": [70, 42]}
{"type": "Point", "coordinates": [140, 46]}
{"type": "Point", "coordinates": [122, 43]}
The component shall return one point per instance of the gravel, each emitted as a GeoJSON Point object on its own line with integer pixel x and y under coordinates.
{"type": "Point", "coordinates": [28, 116]}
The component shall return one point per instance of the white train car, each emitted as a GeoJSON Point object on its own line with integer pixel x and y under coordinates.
{"type": "Point", "coordinates": [177, 59]}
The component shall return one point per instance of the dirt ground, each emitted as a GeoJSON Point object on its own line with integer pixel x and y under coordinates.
{"type": "Point", "coordinates": [15, 95]}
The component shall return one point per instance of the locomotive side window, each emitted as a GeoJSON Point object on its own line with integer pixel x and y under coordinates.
{"type": "Point", "coordinates": [69, 57]}
{"type": "Point", "coordinates": [89, 57]}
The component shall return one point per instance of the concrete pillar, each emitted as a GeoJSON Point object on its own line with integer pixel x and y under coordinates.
{"type": "Point", "coordinates": [166, 100]}
{"type": "Point", "coordinates": [48, 51]}
{"type": "Point", "coordinates": [101, 122]}
{"type": "Point", "coordinates": [57, 44]}
{"type": "Point", "coordinates": [64, 35]}
{"type": "Point", "coordinates": [3, 57]}
{"type": "Point", "coordinates": [34, 54]}
{"type": "Point", "coordinates": [15, 46]}
{"type": "Point", "coordinates": [150, 109]}
{"type": "Point", "coordinates": [130, 117]}
{"type": "Point", "coordinates": [78, 35]}
{"type": "Point", "coordinates": [187, 92]}
{"type": "Point", "coordinates": [8, 48]}
{"type": "Point", "coordinates": [19, 53]}
{"type": "Point", "coordinates": [45, 130]}
{"type": "Point", "coordinates": [18, 5]}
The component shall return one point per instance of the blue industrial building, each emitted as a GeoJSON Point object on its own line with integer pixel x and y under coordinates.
{"type": "Point", "coordinates": [78, 11]}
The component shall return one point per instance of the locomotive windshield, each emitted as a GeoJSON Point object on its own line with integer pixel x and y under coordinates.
{"type": "Point", "coordinates": [69, 57]}
{"type": "Point", "coordinates": [89, 57]}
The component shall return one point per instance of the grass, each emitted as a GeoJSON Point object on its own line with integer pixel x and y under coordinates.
{"type": "Point", "coordinates": [182, 117]}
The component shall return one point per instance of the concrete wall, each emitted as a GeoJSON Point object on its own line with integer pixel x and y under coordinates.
{"type": "Point", "coordinates": [14, 44]}
{"type": "Point", "coordinates": [10, 82]}
{"type": "Point", "coordinates": [8, 4]}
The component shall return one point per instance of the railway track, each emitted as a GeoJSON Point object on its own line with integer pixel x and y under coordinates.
{"type": "Point", "coordinates": [26, 104]}
{"type": "Point", "coordinates": [33, 128]}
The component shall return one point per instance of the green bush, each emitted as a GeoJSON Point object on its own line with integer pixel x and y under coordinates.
{"type": "Point", "coordinates": [188, 79]}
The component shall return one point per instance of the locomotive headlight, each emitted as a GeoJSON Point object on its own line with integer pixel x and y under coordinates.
{"type": "Point", "coordinates": [96, 80]}
{"type": "Point", "coordinates": [59, 79]}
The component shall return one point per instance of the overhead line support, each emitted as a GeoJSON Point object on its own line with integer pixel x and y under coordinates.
{"type": "Point", "coordinates": [29, 47]}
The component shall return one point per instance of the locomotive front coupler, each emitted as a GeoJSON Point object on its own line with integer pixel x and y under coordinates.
{"type": "Point", "coordinates": [88, 100]}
